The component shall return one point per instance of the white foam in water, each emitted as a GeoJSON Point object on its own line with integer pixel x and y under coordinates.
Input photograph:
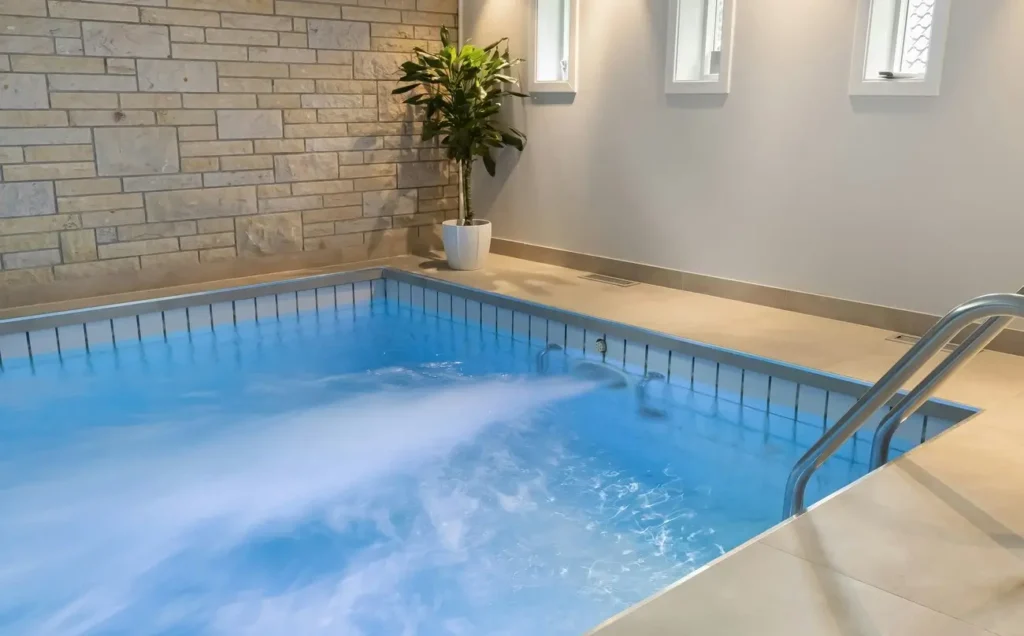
{"type": "Point", "coordinates": [104, 533]}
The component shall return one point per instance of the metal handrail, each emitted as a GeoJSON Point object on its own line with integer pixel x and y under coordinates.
{"type": "Point", "coordinates": [965, 351]}
{"type": "Point", "coordinates": [997, 309]}
{"type": "Point", "coordinates": [912, 401]}
{"type": "Point", "coordinates": [642, 397]}
{"type": "Point", "coordinates": [542, 357]}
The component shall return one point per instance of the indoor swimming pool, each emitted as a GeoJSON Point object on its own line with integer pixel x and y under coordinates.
{"type": "Point", "coordinates": [379, 457]}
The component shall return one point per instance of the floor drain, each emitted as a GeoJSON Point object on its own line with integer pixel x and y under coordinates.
{"type": "Point", "coordinates": [609, 280]}
{"type": "Point", "coordinates": [909, 340]}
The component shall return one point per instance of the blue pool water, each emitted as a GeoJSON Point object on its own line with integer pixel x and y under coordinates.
{"type": "Point", "coordinates": [369, 472]}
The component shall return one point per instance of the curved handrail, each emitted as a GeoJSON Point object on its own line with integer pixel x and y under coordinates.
{"type": "Point", "coordinates": [999, 307]}
{"type": "Point", "coordinates": [911, 402]}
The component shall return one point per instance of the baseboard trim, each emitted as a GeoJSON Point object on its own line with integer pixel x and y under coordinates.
{"type": "Point", "coordinates": [878, 316]}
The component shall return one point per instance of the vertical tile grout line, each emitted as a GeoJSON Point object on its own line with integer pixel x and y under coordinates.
{"type": "Point", "coordinates": [669, 365]}
{"type": "Point", "coordinates": [824, 416]}
{"type": "Point", "coordinates": [56, 333]}
{"type": "Point", "coordinates": [31, 358]}
{"type": "Point", "coordinates": [113, 336]}
{"type": "Point", "coordinates": [85, 334]}
{"type": "Point", "coordinates": [693, 370]}
{"type": "Point", "coordinates": [743, 384]}
{"type": "Point", "coordinates": [796, 409]}
{"type": "Point", "coordinates": [163, 323]}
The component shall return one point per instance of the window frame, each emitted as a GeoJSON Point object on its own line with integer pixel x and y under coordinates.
{"type": "Point", "coordinates": [719, 85]}
{"type": "Point", "coordinates": [571, 83]}
{"type": "Point", "coordinates": [926, 85]}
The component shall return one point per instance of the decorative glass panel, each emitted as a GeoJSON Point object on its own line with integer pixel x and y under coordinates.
{"type": "Point", "coordinates": [899, 38]}
{"type": "Point", "coordinates": [917, 36]}
{"type": "Point", "coordinates": [899, 47]}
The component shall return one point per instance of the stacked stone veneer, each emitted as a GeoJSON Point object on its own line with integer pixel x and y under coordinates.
{"type": "Point", "coordinates": [146, 134]}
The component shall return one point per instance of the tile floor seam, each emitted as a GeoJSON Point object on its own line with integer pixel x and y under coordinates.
{"type": "Point", "coordinates": [815, 564]}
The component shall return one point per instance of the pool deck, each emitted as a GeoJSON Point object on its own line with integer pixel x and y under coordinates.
{"type": "Point", "coordinates": [931, 544]}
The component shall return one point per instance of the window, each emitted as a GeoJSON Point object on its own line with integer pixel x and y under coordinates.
{"type": "Point", "coordinates": [899, 47]}
{"type": "Point", "coordinates": [553, 63]}
{"type": "Point", "coordinates": [700, 42]}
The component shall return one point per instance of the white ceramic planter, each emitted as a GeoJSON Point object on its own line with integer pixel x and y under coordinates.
{"type": "Point", "coordinates": [466, 246]}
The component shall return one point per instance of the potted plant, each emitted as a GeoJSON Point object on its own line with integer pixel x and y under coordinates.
{"type": "Point", "coordinates": [462, 89]}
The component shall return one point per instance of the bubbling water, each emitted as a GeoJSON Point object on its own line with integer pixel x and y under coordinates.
{"type": "Point", "coordinates": [106, 527]}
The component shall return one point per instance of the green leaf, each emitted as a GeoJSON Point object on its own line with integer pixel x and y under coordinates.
{"type": "Point", "coordinates": [445, 38]}
{"type": "Point", "coordinates": [489, 163]}
{"type": "Point", "coordinates": [494, 45]}
{"type": "Point", "coordinates": [514, 140]}
{"type": "Point", "coordinates": [404, 89]}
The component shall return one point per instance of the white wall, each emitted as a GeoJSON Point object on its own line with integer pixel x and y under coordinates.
{"type": "Point", "coordinates": [787, 181]}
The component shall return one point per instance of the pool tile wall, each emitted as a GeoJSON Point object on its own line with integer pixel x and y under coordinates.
{"type": "Point", "coordinates": [793, 403]}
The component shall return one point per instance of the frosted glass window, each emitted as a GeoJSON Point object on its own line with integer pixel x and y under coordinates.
{"type": "Point", "coordinates": [554, 46]}
{"type": "Point", "coordinates": [916, 36]}
{"type": "Point", "coordinates": [900, 39]}
{"type": "Point", "coordinates": [899, 47]}
{"type": "Point", "coordinates": [700, 34]}
{"type": "Point", "coordinates": [552, 40]}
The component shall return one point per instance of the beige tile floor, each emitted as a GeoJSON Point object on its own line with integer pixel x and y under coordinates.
{"type": "Point", "coordinates": [931, 544]}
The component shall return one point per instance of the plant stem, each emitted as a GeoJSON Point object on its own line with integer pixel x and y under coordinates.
{"type": "Point", "coordinates": [467, 190]}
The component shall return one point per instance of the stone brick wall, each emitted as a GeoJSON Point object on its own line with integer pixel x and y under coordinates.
{"type": "Point", "coordinates": [167, 134]}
